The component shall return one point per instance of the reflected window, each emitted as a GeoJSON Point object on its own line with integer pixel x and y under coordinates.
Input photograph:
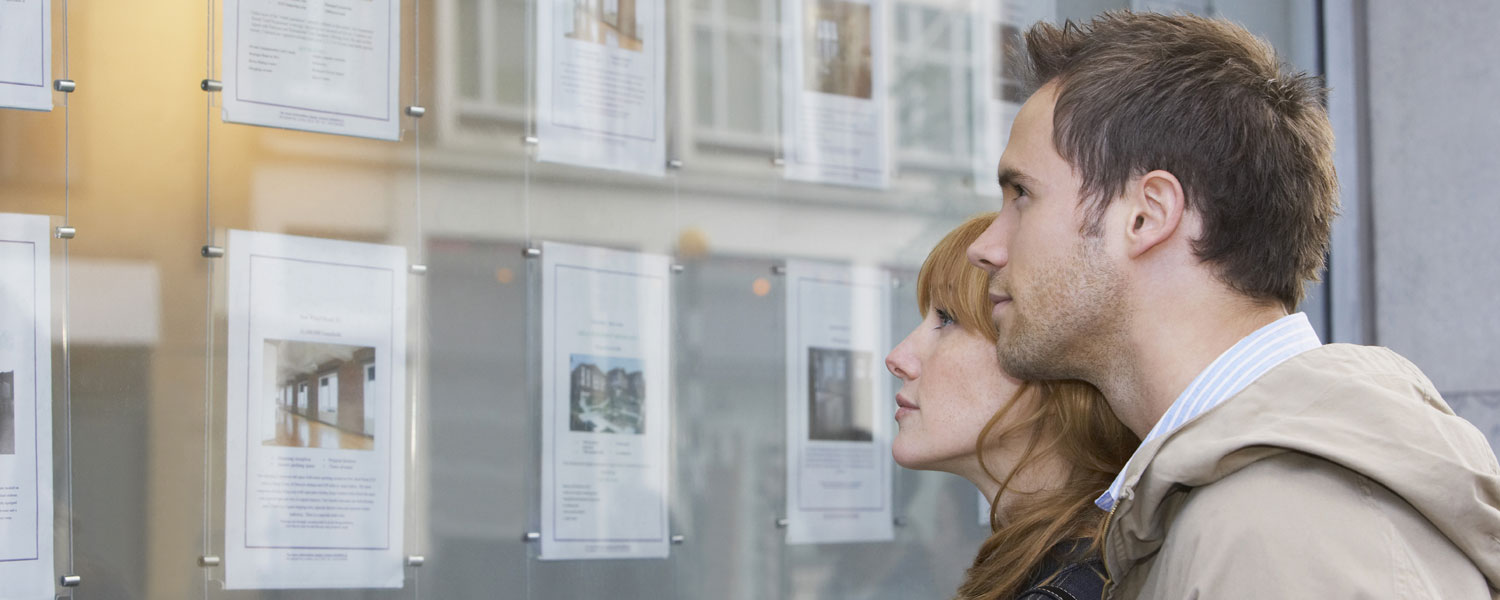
{"type": "Point", "coordinates": [736, 66]}
{"type": "Point", "coordinates": [367, 402]}
{"type": "Point", "coordinates": [485, 82]}
{"type": "Point", "coordinates": [735, 46]}
{"type": "Point", "coordinates": [328, 397]}
{"type": "Point", "coordinates": [931, 74]}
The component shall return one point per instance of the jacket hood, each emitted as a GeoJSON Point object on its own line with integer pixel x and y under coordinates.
{"type": "Point", "coordinates": [1366, 409]}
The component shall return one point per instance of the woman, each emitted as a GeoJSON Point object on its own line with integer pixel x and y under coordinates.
{"type": "Point", "coordinates": [1040, 451]}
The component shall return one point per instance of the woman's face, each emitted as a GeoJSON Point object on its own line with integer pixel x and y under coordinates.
{"type": "Point", "coordinates": [951, 386]}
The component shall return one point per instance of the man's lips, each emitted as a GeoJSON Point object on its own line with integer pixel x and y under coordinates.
{"type": "Point", "coordinates": [997, 299]}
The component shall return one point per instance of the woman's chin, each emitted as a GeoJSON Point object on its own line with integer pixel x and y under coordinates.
{"type": "Point", "coordinates": [911, 458]}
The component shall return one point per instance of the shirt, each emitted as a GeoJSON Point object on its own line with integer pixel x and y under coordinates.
{"type": "Point", "coordinates": [1226, 376]}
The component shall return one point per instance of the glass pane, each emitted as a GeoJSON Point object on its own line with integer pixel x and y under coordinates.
{"type": "Point", "coordinates": [510, 59]}
{"type": "Point", "coordinates": [901, 26]}
{"type": "Point", "coordinates": [148, 320]}
{"type": "Point", "coordinates": [935, 27]}
{"type": "Point", "coordinates": [924, 93]}
{"type": "Point", "coordinates": [745, 78]}
{"type": "Point", "coordinates": [748, 10]}
{"type": "Point", "coordinates": [468, 59]}
{"type": "Point", "coordinates": [703, 77]}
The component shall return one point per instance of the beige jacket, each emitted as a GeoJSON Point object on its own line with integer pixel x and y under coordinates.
{"type": "Point", "coordinates": [1340, 473]}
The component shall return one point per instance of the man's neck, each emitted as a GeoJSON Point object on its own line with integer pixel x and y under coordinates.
{"type": "Point", "coordinates": [1165, 351]}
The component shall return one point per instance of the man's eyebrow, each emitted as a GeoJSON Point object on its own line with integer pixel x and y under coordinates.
{"type": "Point", "coordinates": [1013, 178]}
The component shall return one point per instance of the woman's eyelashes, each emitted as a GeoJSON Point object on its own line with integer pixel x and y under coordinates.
{"type": "Point", "coordinates": [944, 319]}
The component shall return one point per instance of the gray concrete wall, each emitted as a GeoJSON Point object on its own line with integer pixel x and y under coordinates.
{"type": "Point", "coordinates": [1434, 194]}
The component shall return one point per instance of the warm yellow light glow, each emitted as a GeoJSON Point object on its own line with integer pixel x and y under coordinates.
{"type": "Point", "coordinates": [761, 286]}
{"type": "Point", "coordinates": [692, 242]}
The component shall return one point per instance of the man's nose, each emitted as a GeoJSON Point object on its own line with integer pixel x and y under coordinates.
{"type": "Point", "coordinates": [988, 250]}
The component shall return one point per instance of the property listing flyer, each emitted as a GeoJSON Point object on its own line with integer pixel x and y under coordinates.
{"type": "Point", "coordinates": [605, 401]}
{"type": "Point", "coordinates": [315, 475]}
{"type": "Point", "coordinates": [329, 66]}
{"type": "Point", "coordinates": [835, 122]}
{"type": "Point", "coordinates": [25, 408]}
{"type": "Point", "coordinates": [26, 54]}
{"type": "Point", "coordinates": [998, 90]}
{"type": "Point", "coordinates": [838, 425]}
{"type": "Point", "coordinates": [601, 84]}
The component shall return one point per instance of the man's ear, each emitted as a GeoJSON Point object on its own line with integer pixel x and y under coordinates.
{"type": "Point", "coordinates": [1155, 206]}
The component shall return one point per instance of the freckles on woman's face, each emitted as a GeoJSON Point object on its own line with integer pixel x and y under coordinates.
{"type": "Point", "coordinates": [951, 386]}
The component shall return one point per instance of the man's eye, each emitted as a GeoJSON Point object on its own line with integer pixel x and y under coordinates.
{"type": "Point", "coordinates": [1019, 196]}
{"type": "Point", "coordinates": [944, 319]}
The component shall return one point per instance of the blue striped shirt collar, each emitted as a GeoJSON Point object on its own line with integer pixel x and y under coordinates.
{"type": "Point", "coordinates": [1226, 376]}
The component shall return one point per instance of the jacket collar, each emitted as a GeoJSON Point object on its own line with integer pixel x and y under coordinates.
{"type": "Point", "coordinates": [1344, 404]}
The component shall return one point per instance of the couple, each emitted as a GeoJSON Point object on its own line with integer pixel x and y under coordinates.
{"type": "Point", "coordinates": [1114, 360]}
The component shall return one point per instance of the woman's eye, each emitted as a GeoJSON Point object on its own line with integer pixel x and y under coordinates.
{"type": "Point", "coordinates": [944, 319]}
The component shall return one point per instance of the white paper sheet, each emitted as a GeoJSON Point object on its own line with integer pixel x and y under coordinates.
{"type": "Point", "coordinates": [997, 90]}
{"type": "Point", "coordinates": [26, 54]}
{"type": "Point", "coordinates": [835, 122]}
{"type": "Point", "coordinates": [839, 412]}
{"type": "Point", "coordinates": [315, 490]}
{"type": "Point", "coordinates": [606, 373]}
{"type": "Point", "coordinates": [601, 84]}
{"type": "Point", "coordinates": [330, 66]}
{"type": "Point", "coordinates": [25, 408]}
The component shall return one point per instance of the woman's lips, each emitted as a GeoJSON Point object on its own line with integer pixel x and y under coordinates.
{"type": "Point", "coordinates": [904, 407]}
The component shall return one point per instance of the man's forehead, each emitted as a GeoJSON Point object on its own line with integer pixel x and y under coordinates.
{"type": "Point", "coordinates": [1030, 140]}
{"type": "Point", "coordinates": [1034, 121]}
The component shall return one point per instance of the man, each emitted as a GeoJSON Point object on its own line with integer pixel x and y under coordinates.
{"type": "Point", "coordinates": [1168, 192]}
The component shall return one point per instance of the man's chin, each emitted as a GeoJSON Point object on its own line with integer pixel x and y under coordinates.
{"type": "Point", "coordinates": [1017, 362]}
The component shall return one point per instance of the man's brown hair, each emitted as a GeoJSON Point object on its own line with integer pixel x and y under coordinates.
{"type": "Point", "coordinates": [1209, 102]}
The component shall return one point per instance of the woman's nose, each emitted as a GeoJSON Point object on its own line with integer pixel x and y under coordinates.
{"type": "Point", "coordinates": [901, 363]}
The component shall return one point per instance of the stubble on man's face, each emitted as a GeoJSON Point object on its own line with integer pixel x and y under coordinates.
{"type": "Point", "coordinates": [1060, 315]}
